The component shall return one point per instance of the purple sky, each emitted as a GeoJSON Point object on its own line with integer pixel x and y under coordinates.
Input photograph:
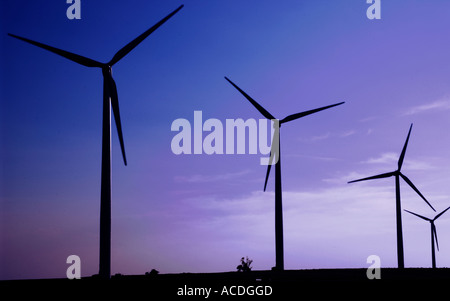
{"type": "Point", "coordinates": [202, 213]}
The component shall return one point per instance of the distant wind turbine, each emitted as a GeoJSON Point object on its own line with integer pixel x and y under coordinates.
{"type": "Point", "coordinates": [110, 99]}
{"type": "Point", "coordinates": [279, 260]}
{"type": "Point", "coordinates": [397, 174]}
{"type": "Point", "coordinates": [433, 233]}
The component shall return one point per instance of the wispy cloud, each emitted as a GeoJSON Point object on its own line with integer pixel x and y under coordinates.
{"type": "Point", "coordinates": [348, 133]}
{"type": "Point", "coordinates": [356, 219]}
{"type": "Point", "coordinates": [328, 135]}
{"type": "Point", "coordinates": [198, 178]}
{"type": "Point", "coordinates": [344, 178]}
{"type": "Point", "coordinates": [385, 158]}
{"type": "Point", "coordinates": [358, 215]}
{"type": "Point", "coordinates": [418, 165]}
{"type": "Point", "coordinates": [370, 118]}
{"type": "Point", "coordinates": [320, 137]}
{"type": "Point", "coordinates": [312, 157]}
{"type": "Point", "coordinates": [391, 158]}
{"type": "Point", "coordinates": [440, 104]}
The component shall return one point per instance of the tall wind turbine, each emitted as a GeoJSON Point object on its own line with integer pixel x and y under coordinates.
{"type": "Point", "coordinates": [110, 99]}
{"type": "Point", "coordinates": [279, 253]}
{"type": "Point", "coordinates": [433, 233]}
{"type": "Point", "coordinates": [397, 174]}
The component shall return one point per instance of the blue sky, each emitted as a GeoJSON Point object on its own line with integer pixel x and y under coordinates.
{"type": "Point", "coordinates": [202, 213]}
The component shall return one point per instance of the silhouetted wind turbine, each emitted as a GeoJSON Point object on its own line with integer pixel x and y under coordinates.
{"type": "Point", "coordinates": [110, 99]}
{"type": "Point", "coordinates": [397, 174]}
{"type": "Point", "coordinates": [433, 233]}
{"type": "Point", "coordinates": [279, 253]}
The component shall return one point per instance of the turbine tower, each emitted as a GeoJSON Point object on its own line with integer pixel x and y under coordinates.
{"type": "Point", "coordinates": [397, 174]}
{"type": "Point", "coordinates": [110, 99]}
{"type": "Point", "coordinates": [433, 234]}
{"type": "Point", "coordinates": [279, 253]}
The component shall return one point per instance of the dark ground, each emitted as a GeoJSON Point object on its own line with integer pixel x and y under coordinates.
{"type": "Point", "coordinates": [321, 283]}
{"type": "Point", "coordinates": [295, 275]}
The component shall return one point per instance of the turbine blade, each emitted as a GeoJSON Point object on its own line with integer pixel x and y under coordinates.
{"type": "Point", "coordinates": [263, 111]}
{"type": "Point", "coordinates": [415, 189]}
{"type": "Point", "coordinates": [130, 46]}
{"type": "Point", "coordinates": [302, 114]}
{"type": "Point", "coordinates": [422, 217]}
{"type": "Point", "coordinates": [268, 172]}
{"type": "Point", "coordinates": [402, 155]}
{"type": "Point", "coordinates": [435, 235]}
{"type": "Point", "coordinates": [115, 108]}
{"type": "Point", "coordinates": [272, 154]}
{"type": "Point", "coordinates": [441, 213]}
{"type": "Point", "coordinates": [384, 175]}
{"type": "Point", "coordinates": [68, 55]}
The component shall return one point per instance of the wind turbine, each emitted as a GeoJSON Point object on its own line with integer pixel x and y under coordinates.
{"type": "Point", "coordinates": [276, 151]}
{"type": "Point", "coordinates": [397, 174]}
{"type": "Point", "coordinates": [433, 233]}
{"type": "Point", "coordinates": [110, 99]}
